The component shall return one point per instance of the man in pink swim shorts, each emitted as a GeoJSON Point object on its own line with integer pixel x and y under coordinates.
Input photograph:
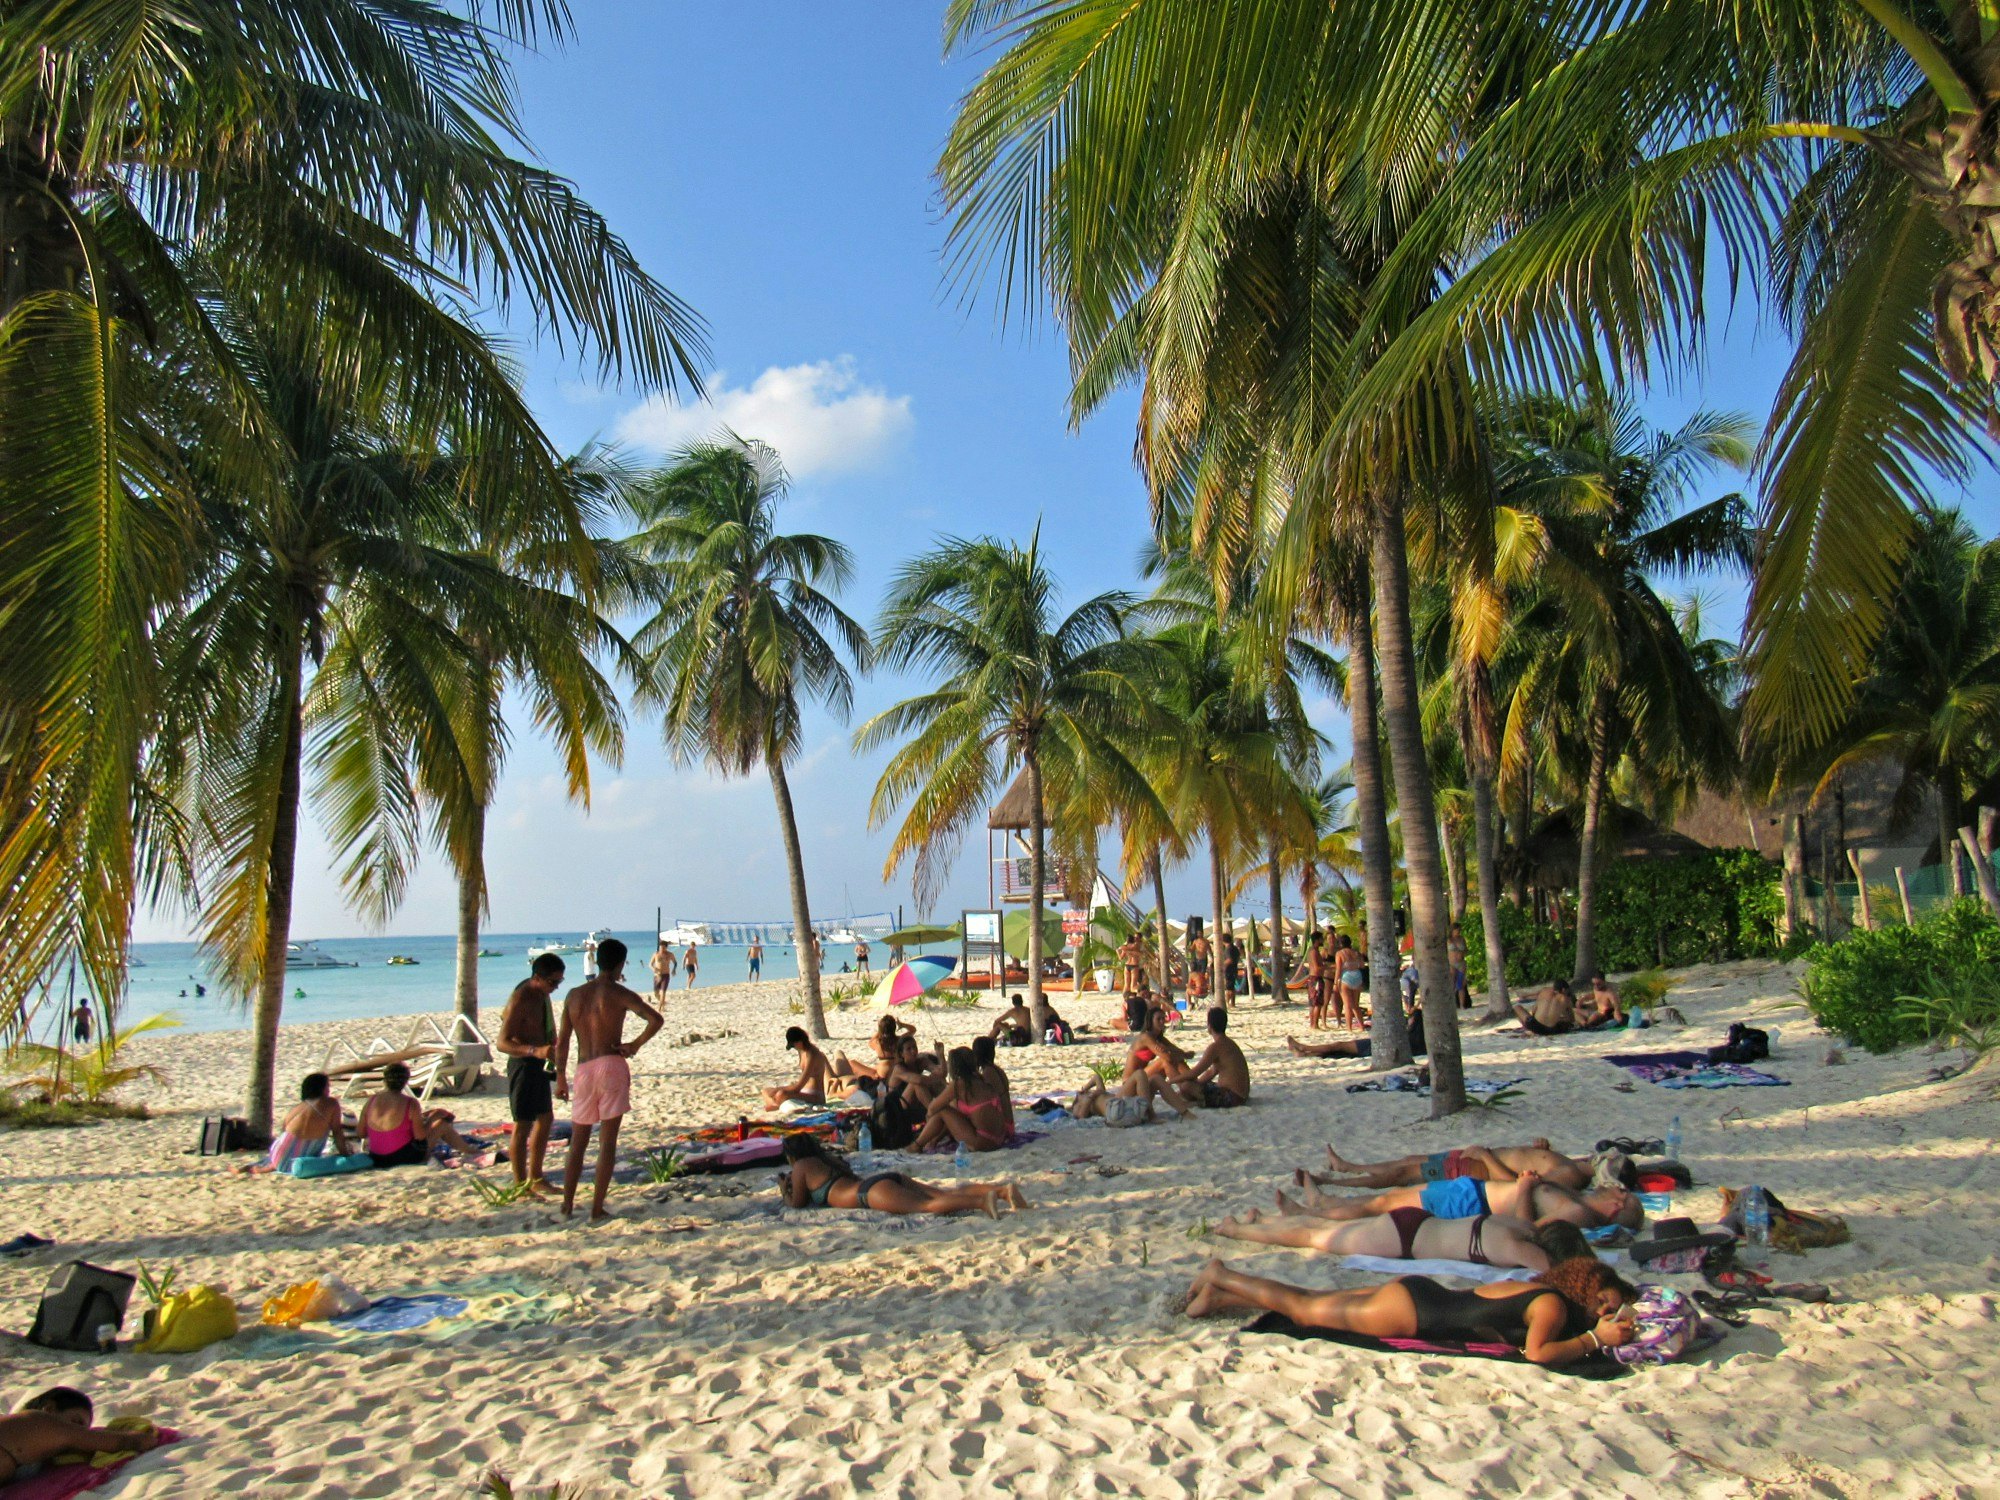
{"type": "Point", "coordinates": [601, 1094]}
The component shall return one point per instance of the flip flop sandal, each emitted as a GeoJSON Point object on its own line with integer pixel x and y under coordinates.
{"type": "Point", "coordinates": [1801, 1291]}
{"type": "Point", "coordinates": [1648, 1147]}
{"type": "Point", "coordinates": [1737, 1279]}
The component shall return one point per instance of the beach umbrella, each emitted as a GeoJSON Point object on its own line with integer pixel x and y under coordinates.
{"type": "Point", "coordinates": [1016, 926]}
{"type": "Point", "coordinates": [917, 935]}
{"type": "Point", "coordinates": [908, 980]}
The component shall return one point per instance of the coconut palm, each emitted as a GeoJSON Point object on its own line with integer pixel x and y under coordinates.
{"type": "Point", "coordinates": [1610, 662]}
{"type": "Point", "coordinates": [366, 161]}
{"type": "Point", "coordinates": [747, 630]}
{"type": "Point", "coordinates": [1059, 696]}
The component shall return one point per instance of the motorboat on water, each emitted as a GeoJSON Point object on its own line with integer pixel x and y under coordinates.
{"type": "Point", "coordinates": [841, 936]}
{"type": "Point", "coordinates": [310, 956]}
{"type": "Point", "coordinates": [681, 934]}
{"type": "Point", "coordinates": [401, 960]}
{"type": "Point", "coordinates": [491, 953]}
{"type": "Point", "coordinates": [536, 950]}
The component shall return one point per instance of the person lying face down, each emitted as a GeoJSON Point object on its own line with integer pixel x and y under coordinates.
{"type": "Point", "coordinates": [818, 1178]}
{"type": "Point", "coordinates": [58, 1421]}
{"type": "Point", "coordinates": [1527, 1197]}
{"type": "Point", "coordinates": [1487, 1163]}
{"type": "Point", "coordinates": [1569, 1312]}
{"type": "Point", "coordinates": [1400, 1234]}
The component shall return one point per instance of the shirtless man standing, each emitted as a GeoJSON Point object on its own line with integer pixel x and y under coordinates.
{"type": "Point", "coordinates": [814, 1070]}
{"type": "Point", "coordinates": [663, 972]}
{"type": "Point", "coordinates": [594, 1018]}
{"type": "Point", "coordinates": [1222, 1072]}
{"type": "Point", "coordinates": [528, 1042]}
{"type": "Point", "coordinates": [690, 962]}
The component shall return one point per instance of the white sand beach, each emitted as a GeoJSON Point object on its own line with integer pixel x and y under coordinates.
{"type": "Point", "coordinates": [705, 1347]}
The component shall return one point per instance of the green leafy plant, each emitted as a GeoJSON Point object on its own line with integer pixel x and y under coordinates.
{"type": "Point", "coordinates": [1645, 989]}
{"type": "Point", "coordinates": [1898, 985]}
{"type": "Point", "coordinates": [21, 1111]}
{"type": "Point", "coordinates": [1201, 1229]}
{"type": "Point", "coordinates": [499, 1487]}
{"type": "Point", "coordinates": [1145, 1254]}
{"type": "Point", "coordinates": [1498, 1102]}
{"type": "Point", "coordinates": [88, 1074]}
{"type": "Point", "coordinates": [1108, 1073]}
{"type": "Point", "coordinates": [661, 1165]}
{"type": "Point", "coordinates": [157, 1285]}
{"type": "Point", "coordinates": [495, 1195]}
{"type": "Point", "coordinates": [1963, 1011]}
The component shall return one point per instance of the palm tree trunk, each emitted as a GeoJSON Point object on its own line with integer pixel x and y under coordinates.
{"type": "Point", "coordinates": [1387, 1029]}
{"type": "Point", "coordinates": [1038, 1005]}
{"type": "Point", "coordinates": [1402, 712]}
{"type": "Point", "coordinates": [1586, 849]}
{"type": "Point", "coordinates": [1216, 886]}
{"type": "Point", "coordinates": [1277, 871]}
{"type": "Point", "coordinates": [1166, 974]}
{"type": "Point", "coordinates": [471, 903]}
{"type": "Point", "coordinates": [259, 1101]}
{"type": "Point", "coordinates": [1454, 875]}
{"type": "Point", "coordinates": [795, 868]}
{"type": "Point", "coordinates": [1481, 739]}
{"type": "Point", "coordinates": [1524, 832]}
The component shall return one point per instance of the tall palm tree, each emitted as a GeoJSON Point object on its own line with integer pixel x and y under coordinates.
{"type": "Point", "coordinates": [1611, 494]}
{"type": "Point", "coordinates": [1058, 696]}
{"type": "Point", "coordinates": [328, 634]}
{"type": "Point", "coordinates": [367, 161]}
{"type": "Point", "coordinates": [747, 628]}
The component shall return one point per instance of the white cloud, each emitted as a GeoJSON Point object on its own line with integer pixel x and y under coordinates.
{"type": "Point", "coordinates": [820, 417]}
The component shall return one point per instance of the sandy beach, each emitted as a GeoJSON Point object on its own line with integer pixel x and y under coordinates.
{"type": "Point", "coordinates": [700, 1344]}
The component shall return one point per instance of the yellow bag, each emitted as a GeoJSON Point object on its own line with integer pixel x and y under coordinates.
{"type": "Point", "coordinates": [313, 1302]}
{"type": "Point", "coordinates": [187, 1321]}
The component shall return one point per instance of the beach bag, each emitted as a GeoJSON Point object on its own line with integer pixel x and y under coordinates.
{"type": "Point", "coordinates": [224, 1134]}
{"type": "Point", "coordinates": [1744, 1044]}
{"type": "Point", "coordinates": [313, 1302]}
{"type": "Point", "coordinates": [187, 1321]}
{"type": "Point", "coordinates": [1667, 1325]}
{"type": "Point", "coordinates": [1792, 1229]}
{"type": "Point", "coordinates": [78, 1300]}
{"type": "Point", "coordinates": [889, 1126]}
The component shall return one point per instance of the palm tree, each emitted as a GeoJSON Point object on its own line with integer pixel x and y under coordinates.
{"type": "Point", "coordinates": [747, 627]}
{"type": "Point", "coordinates": [1612, 662]}
{"type": "Point", "coordinates": [367, 163]}
{"type": "Point", "coordinates": [1058, 697]}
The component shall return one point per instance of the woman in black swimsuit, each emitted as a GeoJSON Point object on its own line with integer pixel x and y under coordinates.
{"type": "Point", "coordinates": [1569, 1312]}
{"type": "Point", "coordinates": [1401, 1234]}
{"type": "Point", "coordinates": [818, 1178]}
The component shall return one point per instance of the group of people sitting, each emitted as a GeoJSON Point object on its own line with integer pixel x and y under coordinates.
{"type": "Point", "coordinates": [1520, 1206]}
{"type": "Point", "coordinates": [394, 1130]}
{"type": "Point", "coordinates": [1557, 1009]}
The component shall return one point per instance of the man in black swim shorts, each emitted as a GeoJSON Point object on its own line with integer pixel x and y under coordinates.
{"type": "Point", "coordinates": [528, 1041]}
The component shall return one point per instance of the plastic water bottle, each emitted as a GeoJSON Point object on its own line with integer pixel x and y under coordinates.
{"type": "Point", "coordinates": [961, 1160]}
{"type": "Point", "coordinates": [1756, 1215]}
{"type": "Point", "coordinates": [864, 1143]}
{"type": "Point", "coordinates": [1674, 1138]}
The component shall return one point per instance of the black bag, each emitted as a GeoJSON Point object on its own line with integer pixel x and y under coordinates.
{"type": "Point", "coordinates": [889, 1126]}
{"type": "Point", "coordinates": [79, 1299]}
{"type": "Point", "coordinates": [225, 1134]}
{"type": "Point", "coordinates": [1745, 1044]}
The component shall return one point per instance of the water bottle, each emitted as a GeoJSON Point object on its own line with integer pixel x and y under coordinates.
{"type": "Point", "coordinates": [1674, 1138]}
{"type": "Point", "coordinates": [961, 1161]}
{"type": "Point", "coordinates": [1756, 1215]}
{"type": "Point", "coordinates": [864, 1143]}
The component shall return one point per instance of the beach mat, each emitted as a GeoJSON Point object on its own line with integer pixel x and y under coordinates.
{"type": "Point", "coordinates": [1586, 1369]}
{"type": "Point", "coordinates": [1420, 1086]}
{"type": "Point", "coordinates": [440, 1313]}
{"type": "Point", "coordinates": [61, 1481]}
{"type": "Point", "coordinates": [1692, 1070]}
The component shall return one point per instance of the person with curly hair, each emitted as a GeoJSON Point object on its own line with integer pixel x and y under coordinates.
{"type": "Point", "coordinates": [1569, 1312]}
{"type": "Point", "coordinates": [818, 1178]}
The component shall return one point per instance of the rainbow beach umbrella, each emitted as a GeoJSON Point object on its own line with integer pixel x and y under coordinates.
{"type": "Point", "coordinates": [908, 980]}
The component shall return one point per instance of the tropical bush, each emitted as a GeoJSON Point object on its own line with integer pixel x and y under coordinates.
{"type": "Point", "coordinates": [87, 1075]}
{"type": "Point", "coordinates": [1656, 913]}
{"type": "Point", "coordinates": [1897, 985]}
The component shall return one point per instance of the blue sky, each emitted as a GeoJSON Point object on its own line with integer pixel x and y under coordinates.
{"type": "Point", "coordinates": [771, 163]}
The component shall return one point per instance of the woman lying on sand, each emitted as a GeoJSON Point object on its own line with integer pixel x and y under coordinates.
{"type": "Point", "coordinates": [1527, 1197]}
{"type": "Point", "coordinates": [971, 1110]}
{"type": "Point", "coordinates": [1487, 1163]}
{"type": "Point", "coordinates": [1401, 1234]}
{"type": "Point", "coordinates": [58, 1421]}
{"type": "Point", "coordinates": [820, 1179]}
{"type": "Point", "coordinates": [398, 1131]}
{"type": "Point", "coordinates": [1567, 1313]}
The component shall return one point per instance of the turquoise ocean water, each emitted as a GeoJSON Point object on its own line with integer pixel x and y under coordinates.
{"type": "Point", "coordinates": [377, 988]}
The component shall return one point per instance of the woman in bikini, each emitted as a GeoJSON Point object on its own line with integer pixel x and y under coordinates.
{"type": "Point", "coordinates": [885, 1044]}
{"type": "Point", "coordinates": [58, 1422]}
{"type": "Point", "coordinates": [818, 1178]}
{"type": "Point", "coordinates": [970, 1111]}
{"type": "Point", "coordinates": [311, 1121]}
{"type": "Point", "coordinates": [985, 1052]}
{"type": "Point", "coordinates": [399, 1132]}
{"type": "Point", "coordinates": [1400, 1234]}
{"type": "Point", "coordinates": [1569, 1312]}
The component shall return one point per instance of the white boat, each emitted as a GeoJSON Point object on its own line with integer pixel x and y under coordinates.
{"type": "Point", "coordinates": [536, 950]}
{"type": "Point", "coordinates": [681, 934]}
{"type": "Point", "coordinates": [842, 936]}
{"type": "Point", "coordinates": [309, 956]}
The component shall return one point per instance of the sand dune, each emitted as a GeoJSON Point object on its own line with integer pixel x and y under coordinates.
{"type": "Point", "coordinates": [750, 1355]}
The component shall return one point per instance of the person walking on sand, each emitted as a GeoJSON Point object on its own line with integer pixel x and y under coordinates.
{"type": "Point", "coordinates": [756, 957]}
{"type": "Point", "coordinates": [861, 958]}
{"type": "Point", "coordinates": [528, 1042]}
{"type": "Point", "coordinates": [594, 1019]}
{"type": "Point", "coordinates": [690, 961]}
{"type": "Point", "coordinates": [663, 972]}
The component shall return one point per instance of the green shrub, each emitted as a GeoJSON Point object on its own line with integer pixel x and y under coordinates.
{"type": "Point", "coordinates": [1898, 985]}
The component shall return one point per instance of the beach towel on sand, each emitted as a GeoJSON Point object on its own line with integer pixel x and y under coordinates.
{"type": "Point", "coordinates": [1583, 1369]}
{"type": "Point", "coordinates": [60, 1481]}
{"type": "Point", "coordinates": [1420, 1085]}
{"type": "Point", "coordinates": [1691, 1070]}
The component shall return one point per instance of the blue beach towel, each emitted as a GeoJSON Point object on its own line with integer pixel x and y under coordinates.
{"type": "Point", "coordinates": [400, 1314]}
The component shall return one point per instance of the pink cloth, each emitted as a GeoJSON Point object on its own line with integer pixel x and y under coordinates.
{"type": "Point", "coordinates": [602, 1090]}
{"type": "Point", "coordinates": [65, 1480]}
